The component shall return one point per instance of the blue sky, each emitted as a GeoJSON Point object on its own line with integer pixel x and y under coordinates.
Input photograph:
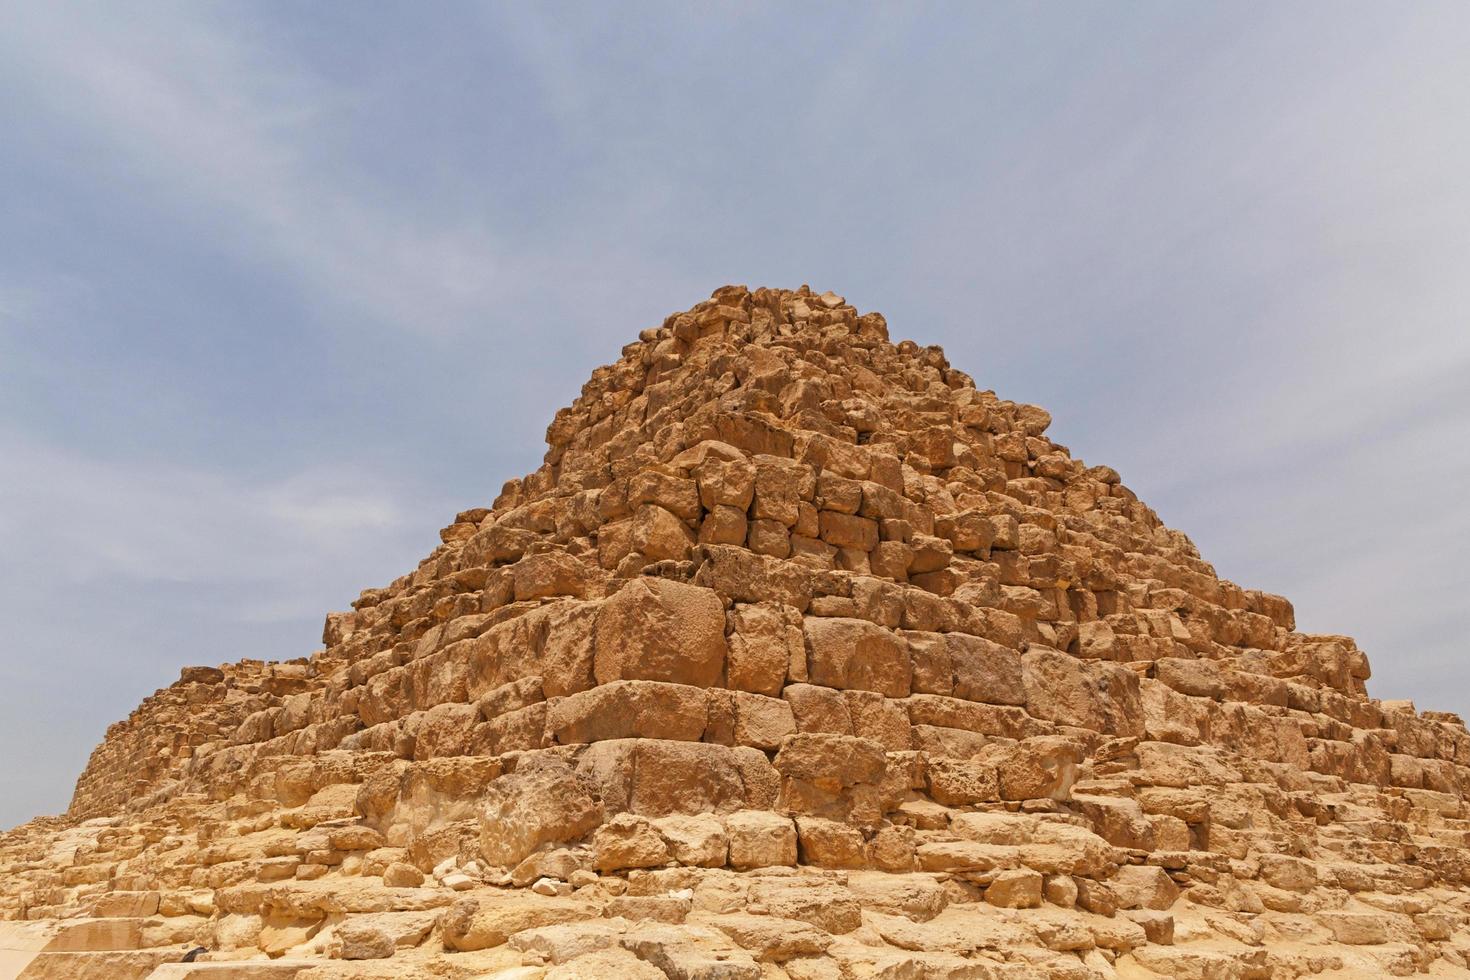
{"type": "Point", "coordinates": [282, 287]}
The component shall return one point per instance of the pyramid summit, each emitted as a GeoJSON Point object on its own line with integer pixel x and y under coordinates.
{"type": "Point", "coordinates": [800, 657]}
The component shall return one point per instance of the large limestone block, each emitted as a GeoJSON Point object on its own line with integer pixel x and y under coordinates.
{"type": "Point", "coordinates": [854, 654]}
{"type": "Point", "coordinates": [497, 543]}
{"type": "Point", "coordinates": [919, 897]}
{"type": "Point", "coordinates": [514, 731]}
{"type": "Point", "coordinates": [658, 777]}
{"type": "Point", "coordinates": [848, 531]}
{"type": "Point", "coordinates": [675, 494]}
{"type": "Point", "coordinates": [378, 935]}
{"type": "Point", "coordinates": [771, 939]}
{"type": "Point", "coordinates": [659, 534]}
{"type": "Point", "coordinates": [985, 671]}
{"type": "Point", "coordinates": [553, 641]}
{"type": "Point", "coordinates": [839, 777]}
{"type": "Point", "coordinates": [570, 941]}
{"type": "Point", "coordinates": [830, 843]}
{"type": "Point", "coordinates": [883, 720]}
{"type": "Point", "coordinates": [1356, 928]}
{"type": "Point", "coordinates": [760, 839]}
{"type": "Point", "coordinates": [770, 538]}
{"type": "Point", "coordinates": [831, 761]}
{"type": "Point", "coordinates": [725, 477]}
{"type": "Point", "coordinates": [525, 809]}
{"type": "Point", "coordinates": [1158, 927]}
{"type": "Point", "coordinates": [724, 525]}
{"type": "Point", "coordinates": [819, 709]}
{"type": "Point", "coordinates": [761, 722]}
{"type": "Point", "coordinates": [1119, 933]}
{"type": "Point", "coordinates": [957, 856]}
{"type": "Point", "coordinates": [933, 670]}
{"type": "Point", "coordinates": [1019, 888]}
{"type": "Point", "coordinates": [1289, 873]}
{"type": "Point", "coordinates": [741, 576]}
{"type": "Point", "coordinates": [1049, 846]}
{"type": "Point", "coordinates": [1142, 886]}
{"type": "Point", "coordinates": [692, 953]}
{"type": "Point", "coordinates": [443, 730]}
{"type": "Point", "coordinates": [1088, 694]}
{"type": "Point", "coordinates": [962, 782]}
{"type": "Point", "coordinates": [630, 709]}
{"type": "Point", "coordinates": [616, 962]}
{"type": "Point", "coordinates": [828, 906]}
{"type": "Point", "coordinates": [628, 841]}
{"type": "Point", "coordinates": [765, 645]}
{"type": "Point", "coordinates": [1121, 821]}
{"type": "Point", "coordinates": [1037, 768]}
{"type": "Point", "coordinates": [567, 647]}
{"type": "Point", "coordinates": [125, 904]}
{"type": "Point", "coordinates": [512, 697]}
{"type": "Point", "coordinates": [1169, 716]}
{"type": "Point", "coordinates": [780, 486]}
{"type": "Point", "coordinates": [551, 574]}
{"type": "Point", "coordinates": [988, 719]}
{"type": "Point", "coordinates": [1194, 677]}
{"type": "Point", "coordinates": [95, 935]}
{"type": "Point", "coordinates": [1205, 964]}
{"type": "Point", "coordinates": [481, 923]}
{"type": "Point", "coordinates": [836, 493]}
{"type": "Point", "coordinates": [696, 840]}
{"type": "Point", "coordinates": [659, 630]}
{"type": "Point", "coordinates": [428, 794]}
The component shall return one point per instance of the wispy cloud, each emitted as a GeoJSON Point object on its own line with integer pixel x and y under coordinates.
{"type": "Point", "coordinates": [158, 524]}
{"type": "Point", "coordinates": [238, 140]}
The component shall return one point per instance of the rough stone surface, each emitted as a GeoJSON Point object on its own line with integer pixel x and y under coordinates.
{"type": "Point", "coordinates": [657, 630]}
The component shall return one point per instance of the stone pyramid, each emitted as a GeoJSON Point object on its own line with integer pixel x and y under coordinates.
{"type": "Point", "coordinates": [800, 658]}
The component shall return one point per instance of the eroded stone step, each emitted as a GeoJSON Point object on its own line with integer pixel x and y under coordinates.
{"type": "Point", "coordinates": [237, 970]}
{"type": "Point", "coordinates": [124, 904]}
{"type": "Point", "coordinates": [97, 935]}
{"type": "Point", "coordinates": [132, 964]}
{"type": "Point", "coordinates": [20, 943]}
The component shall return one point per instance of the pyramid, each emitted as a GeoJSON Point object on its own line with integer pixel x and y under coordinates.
{"type": "Point", "coordinates": [801, 657]}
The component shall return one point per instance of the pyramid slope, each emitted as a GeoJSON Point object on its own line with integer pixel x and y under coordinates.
{"type": "Point", "coordinates": [791, 619]}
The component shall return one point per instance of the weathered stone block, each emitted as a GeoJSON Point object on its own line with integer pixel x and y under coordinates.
{"type": "Point", "coordinates": [525, 809]}
{"type": "Point", "coordinates": [962, 782]}
{"type": "Point", "coordinates": [848, 531]}
{"type": "Point", "coordinates": [854, 654]}
{"type": "Point", "coordinates": [485, 922]}
{"type": "Point", "coordinates": [660, 630]}
{"type": "Point", "coordinates": [760, 839]}
{"type": "Point", "coordinates": [660, 535]}
{"type": "Point", "coordinates": [628, 841]}
{"type": "Point", "coordinates": [695, 840]}
{"type": "Point", "coordinates": [985, 671]}
{"type": "Point", "coordinates": [766, 640]}
{"type": "Point", "coordinates": [630, 709]}
{"type": "Point", "coordinates": [1088, 694]}
{"type": "Point", "coordinates": [1142, 886]}
{"type": "Point", "coordinates": [761, 722]}
{"type": "Point", "coordinates": [818, 709]}
{"type": "Point", "coordinates": [830, 844]}
{"type": "Point", "coordinates": [1016, 889]}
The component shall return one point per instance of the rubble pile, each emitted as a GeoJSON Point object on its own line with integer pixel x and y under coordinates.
{"type": "Point", "coordinates": [800, 658]}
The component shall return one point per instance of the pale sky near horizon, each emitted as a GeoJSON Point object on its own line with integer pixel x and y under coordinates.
{"type": "Point", "coordinates": [283, 286]}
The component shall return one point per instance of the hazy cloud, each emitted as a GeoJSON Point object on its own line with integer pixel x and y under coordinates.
{"type": "Point", "coordinates": [240, 141]}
